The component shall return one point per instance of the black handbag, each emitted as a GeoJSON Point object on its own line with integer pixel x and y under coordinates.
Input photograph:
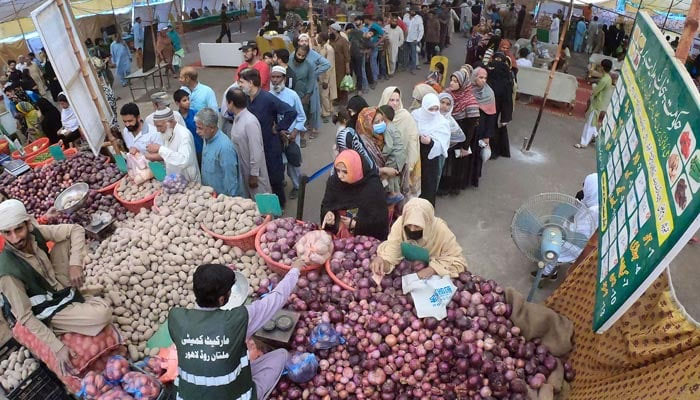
{"type": "Point", "coordinates": [293, 153]}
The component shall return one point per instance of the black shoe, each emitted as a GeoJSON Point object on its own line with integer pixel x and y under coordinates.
{"type": "Point", "coordinates": [294, 194]}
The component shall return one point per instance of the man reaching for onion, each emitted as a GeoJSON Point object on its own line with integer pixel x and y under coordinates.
{"type": "Point", "coordinates": [41, 288]}
{"type": "Point", "coordinates": [420, 227]}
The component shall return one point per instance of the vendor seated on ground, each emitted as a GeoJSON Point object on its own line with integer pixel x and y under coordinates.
{"type": "Point", "coordinates": [419, 226]}
{"type": "Point", "coordinates": [41, 288]}
{"type": "Point", "coordinates": [221, 369]}
{"type": "Point", "coordinates": [70, 131]}
{"type": "Point", "coordinates": [355, 198]}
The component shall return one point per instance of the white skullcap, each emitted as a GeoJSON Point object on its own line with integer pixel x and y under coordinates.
{"type": "Point", "coordinates": [278, 68]}
{"type": "Point", "coordinates": [304, 36]}
{"type": "Point", "coordinates": [336, 27]}
{"type": "Point", "coordinates": [165, 114]}
{"type": "Point", "coordinates": [13, 213]}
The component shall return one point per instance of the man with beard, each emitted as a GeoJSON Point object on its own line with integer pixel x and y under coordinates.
{"type": "Point", "coordinates": [177, 150]}
{"type": "Point", "coordinates": [395, 37]}
{"type": "Point", "coordinates": [292, 99]}
{"type": "Point", "coordinates": [137, 134]}
{"type": "Point", "coordinates": [251, 58]}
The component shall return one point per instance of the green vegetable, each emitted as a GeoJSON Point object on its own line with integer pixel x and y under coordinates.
{"type": "Point", "coordinates": [695, 168]}
{"type": "Point", "coordinates": [42, 157]}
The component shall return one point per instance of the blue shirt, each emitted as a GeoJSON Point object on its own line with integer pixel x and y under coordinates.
{"type": "Point", "coordinates": [291, 97]}
{"type": "Point", "coordinates": [189, 123]}
{"type": "Point", "coordinates": [220, 165]}
{"type": "Point", "coordinates": [201, 97]}
{"type": "Point", "coordinates": [266, 108]}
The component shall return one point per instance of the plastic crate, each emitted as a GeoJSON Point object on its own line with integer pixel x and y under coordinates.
{"type": "Point", "coordinates": [42, 384]}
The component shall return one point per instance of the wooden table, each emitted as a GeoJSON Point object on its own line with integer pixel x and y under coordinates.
{"type": "Point", "coordinates": [152, 73]}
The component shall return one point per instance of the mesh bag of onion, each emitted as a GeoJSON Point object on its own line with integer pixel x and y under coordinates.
{"type": "Point", "coordinates": [324, 336]}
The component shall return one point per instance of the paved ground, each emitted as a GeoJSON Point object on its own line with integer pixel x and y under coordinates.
{"type": "Point", "coordinates": [480, 217]}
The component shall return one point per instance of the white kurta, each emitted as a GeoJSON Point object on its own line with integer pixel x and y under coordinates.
{"type": "Point", "coordinates": [554, 31]}
{"type": "Point", "coordinates": [178, 118]}
{"type": "Point", "coordinates": [179, 155]}
{"type": "Point", "coordinates": [396, 38]}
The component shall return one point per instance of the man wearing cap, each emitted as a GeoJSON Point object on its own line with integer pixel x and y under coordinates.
{"type": "Point", "coordinates": [341, 49]}
{"type": "Point", "coordinates": [219, 157]}
{"type": "Point", "coordinates": [137, 134]}
{"type": "Point", "coordinates": [201, 95]}
{"type": "Point", "coordinates": [177, 150]}
{"type": "Point", "coordinates": [252, 59]}
{"type": "Point", "coordinates": [211, 338]}
{"type": "Point", "coordinates": [270, 112]}
{"type": "Point", "coordinates": [160, 101]}
{"type": "Point", "coordinates": [41, 288]}
{"type": "Point", "coordinates": [277, 78]}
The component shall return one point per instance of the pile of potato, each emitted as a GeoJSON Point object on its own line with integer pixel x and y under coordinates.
{"type": "Point", "coordinates": [145, 267]}
{"type": "Point", "coordinates": [16, 368]}
{"type": "Point", "coordinates": [130, 191]}
{"type": "Point", "coordinates": [231, 216]}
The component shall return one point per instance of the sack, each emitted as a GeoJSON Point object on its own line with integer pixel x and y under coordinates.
{"type": "Point", "coordinates": [141, 386]}
{"type": "Point", "coordinates": [324, 336]}
{"type": "Point", "coordinates": [315, 247]}
{"type": "Point", "coordinates": [293, 153]}
{"type": "Point", "coordinates": [116, 368]}
{"type": "Point", "coordinates": [301, 367]}
{"type": "Point", "coordinates": [93, 385]}
{"type": "Point", "coordinates": [430, 296]}
{"type": "Point", "coordinates": [347, 84]}
{"type": "Point", "coordinates": [138, 168]}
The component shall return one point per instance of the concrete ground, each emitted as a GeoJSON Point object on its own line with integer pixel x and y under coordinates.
{"type": "Point", "coordinates": [480, 218]}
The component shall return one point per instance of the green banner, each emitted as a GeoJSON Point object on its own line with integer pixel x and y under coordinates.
{"type": "Point", "coordinates": [648, 170]}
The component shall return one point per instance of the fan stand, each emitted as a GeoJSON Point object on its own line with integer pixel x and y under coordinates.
{"type": "Point", "coordinates": [536, 282]}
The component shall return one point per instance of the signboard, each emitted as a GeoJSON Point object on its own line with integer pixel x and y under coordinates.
{"type": "Point", "coordinates": [649, 172]}
{"type": "Point", "coordinates": [58, 42]}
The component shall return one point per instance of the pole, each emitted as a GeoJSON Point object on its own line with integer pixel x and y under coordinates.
{"type": "Point", "coordinates": [689, 30]}
{"type": "Point", "coordinates": [551, 75]}
{"type": "Point", "coordinates": [639, 7]}
{"type": "Point", "coordinates": [84, 69]}
{"type": "Point", "coordinates": [670, 5]}
{"type": "Point", "coordinates": [116, 21]}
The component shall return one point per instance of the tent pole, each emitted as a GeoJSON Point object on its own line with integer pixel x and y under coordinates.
{"type": "Point", "coordinates": [689, 30]}
{"type": "Point", "coordinates": [562, 36]}
{"type": "Point", "coordinates": [666, 17]}
{"type": "Point", "coordinates": [84, 70]}
{"type": "Point", "coordinates": [639, 7]}
{"type": "Point", "coordinates": [116, 21]}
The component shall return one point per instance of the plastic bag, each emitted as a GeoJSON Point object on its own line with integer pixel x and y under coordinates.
{"type": "Point", "coordinates": [93, 385]}
{"type": "Point", "coordinates": [301, 367]}
{"type": "Point", "coordinates": [324, 336]}
{"type": "Point", "coordinates": [141, 386]}
{"type": "Point", "coordinates": [430, 296]}
{"type": "Point", "coordinates": [347, 84]}
{"type": "Point", "coordinates": [116, 368]}
{"type": "Point", "coordinates": [174, 183]}
{"type": "Point", "coordinates": [138, 168]}
{"type": "Point", "coordinates": [315, 247]}
{"type": "Point", "coordinates": [116, 394]}
{"type": "Point", "coordinates": [153, 365]}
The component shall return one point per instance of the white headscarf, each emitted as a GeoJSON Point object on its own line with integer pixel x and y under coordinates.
{"type": "Point", "coordinates": [13, 213]}
{"type": "Point", "coordinates": [433, 124]}
{"type": "Point", "coordinates": [590, 191]}
{"type": "Point", "coordinates": [456, 133]}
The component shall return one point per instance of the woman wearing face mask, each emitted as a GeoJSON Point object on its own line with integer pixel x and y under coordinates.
{"type": "Point", "coordinates": [434, 131]}
{"type": "Point", "coordinates": [486, 127]}
{"type": "Point", "coordinates": [406, 125]}
{"type": "Point", "coordinates": [354, 198]}
{"type": "Point", "coordinates": [419, 226]}
{"type": "Point", "coordinates": [355, 105]}
{"type": "Point", "coordinates": [385, 144]}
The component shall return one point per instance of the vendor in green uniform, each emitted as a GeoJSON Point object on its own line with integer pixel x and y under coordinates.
{"type": "Point", "coordinates": [211, 339]}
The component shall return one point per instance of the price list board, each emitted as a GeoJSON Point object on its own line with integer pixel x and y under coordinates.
{"type": "Point", "coordinates": [648, 170]}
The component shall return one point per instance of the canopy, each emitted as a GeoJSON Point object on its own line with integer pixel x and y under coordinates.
{"type": "Point", "coordinates": [660, 6]}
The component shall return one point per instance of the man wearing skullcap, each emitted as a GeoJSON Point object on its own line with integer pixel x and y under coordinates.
{"type": "Point", "coordinates": [160, 101]}
{"type": "Point", "coordinates": [41, 288]}
{"type": "Point", "coordinates": [177, 152]}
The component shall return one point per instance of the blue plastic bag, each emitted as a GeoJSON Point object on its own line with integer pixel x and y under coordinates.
{"type": "Point", "coordinates": [301, 367]}
{"type": "Point", "coordinates": [324, 336]}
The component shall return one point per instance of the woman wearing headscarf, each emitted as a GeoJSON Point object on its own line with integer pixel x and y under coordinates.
{"type": "Point", "coordinates": [456, 136]}
{"type": "Point", "coordinates": [50, 119]}
{"type": "Point", "coordinates": [434, 132]}
{"type": "Point", "coordinates": [419, 226]}
{"type": "Point", "coordinates": [373, 142]}
{"type": "Point", "coordinates": [500, 79]}
{"type": "Point", "coordinates": [404, 122]}
{"type": "Point", "coordinates": [486, 128]}
{"type": "Point", "coordinates": [355, 105]}
{"type": "Point", "coordinates": [419, 91]}
{"type": "Point", "coordinates": [31, 119]}
{"type": "Point", "coordinates": [354, 198]}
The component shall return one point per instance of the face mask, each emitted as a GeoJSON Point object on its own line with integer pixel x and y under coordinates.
{"type": "Point", "coordinates": [379, 128]}
{"type": "Point", "coordinates": [436, 112]}
{"type": "Point", "coordinates": [413, 235]}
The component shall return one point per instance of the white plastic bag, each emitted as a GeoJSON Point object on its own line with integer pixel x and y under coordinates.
{"type": "Point", "coordinates": [430, 296]}
{"type": "Point", "coordinates": [138, 168]}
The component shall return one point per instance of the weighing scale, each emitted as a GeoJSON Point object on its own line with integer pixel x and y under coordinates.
{"type": "Point", "coordinates": [15, 167]}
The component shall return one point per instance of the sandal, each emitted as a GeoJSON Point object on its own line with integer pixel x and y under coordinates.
{"type": "Point", "coordinates": [580, 146]}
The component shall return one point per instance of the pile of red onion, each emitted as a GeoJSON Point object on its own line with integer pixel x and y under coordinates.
{"type": "Point", "coordinates": [281, 235]}
{"type": "Point", "coordinates": [351, 258]}
{"type": "Point", "coordinates": [475, 352]}
{"type": "Point", "coordinates": [94, 202]}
